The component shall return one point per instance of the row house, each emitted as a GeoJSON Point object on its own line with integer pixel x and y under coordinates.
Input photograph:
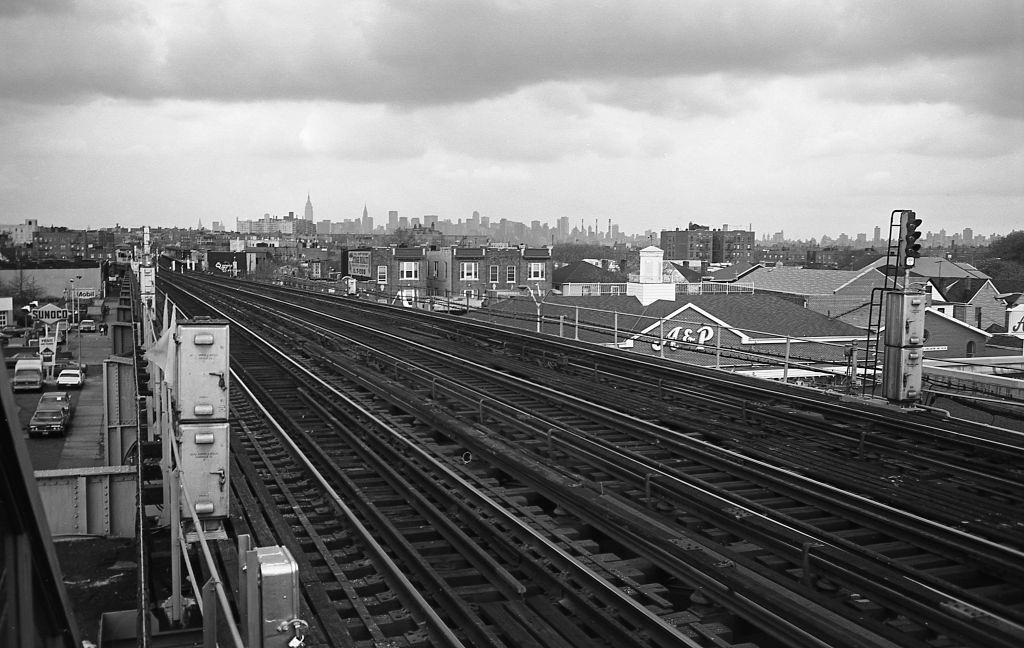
{"type": "Point", "coordinates": [64, 243]}
{"type": "Point", "coordinates": [420, 275]}
{"type": "Point", "coordinates": [475, 273]}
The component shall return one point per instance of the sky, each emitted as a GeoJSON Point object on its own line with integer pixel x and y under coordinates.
{"type": "Point", "coordinates": [809, 118]}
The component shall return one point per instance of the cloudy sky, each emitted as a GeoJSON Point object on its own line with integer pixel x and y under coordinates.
{"type": "Point", "coordinates": [808, 117]}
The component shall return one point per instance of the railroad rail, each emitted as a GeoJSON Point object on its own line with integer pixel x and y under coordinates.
{"type": "Point", "coordinates": [694, 504]}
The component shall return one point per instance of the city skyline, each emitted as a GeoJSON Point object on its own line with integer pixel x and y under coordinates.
{"type": "Point", "coordinates": [561, 232]}
{"type": "Point", "coordinates": [810, 117]}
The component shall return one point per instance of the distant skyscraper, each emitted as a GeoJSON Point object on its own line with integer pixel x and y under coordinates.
{"type": "Point", "coordinates": [366, 224]}
{"type": "Point", "coordinates": [392, 220]}
{"type": "Point", "coordinates": [968, 235]}
{"type": "Point", "coordinates": [309, 209]}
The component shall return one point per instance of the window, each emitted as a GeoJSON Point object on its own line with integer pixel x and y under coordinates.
{"type": "Point", "coordinates": [382, 274]}
{"type": "Point", "coordinates": [492, 274]}
{"type": "Point", "coordinates": [510, 274]}
{"type": "Point", "coordinates": [971, 349]}
{"type": "Point", "coordinates": [434, 273]}
{"type": "Point", "coordinates": [409, 270]}
{"type": "Point", "coordinates": [468, 271]}
{"type": "Point", "coordinates": [536, 271]}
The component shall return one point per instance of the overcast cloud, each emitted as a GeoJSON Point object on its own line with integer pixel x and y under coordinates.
{"type": "Point", "coordinates": [810, 117]}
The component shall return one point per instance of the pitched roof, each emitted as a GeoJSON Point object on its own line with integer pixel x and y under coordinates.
{"type": "Point", "coordinates": [759, 316]}
{"type": "Point", "coordinates": [937, 267]}
{"type": "Point", "coordinates": [735, 271]}
{"type": "Point", "coordinates": [749, 327]}
{"type": "Point", "coordinates": [959, 291]}
{"type": "Point", "coordinates": [583, 272]}
{"type": "Point", "coordinates": [691, 275]}
{"type": "Point", "coordinates": [800, 281]}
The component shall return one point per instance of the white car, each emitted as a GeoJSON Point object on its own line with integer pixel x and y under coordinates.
{"type": "Point", "coordinates": [71, 378]}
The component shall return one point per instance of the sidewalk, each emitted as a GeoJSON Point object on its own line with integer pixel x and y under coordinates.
{"type": "Point", "coordinates": [84, 445]}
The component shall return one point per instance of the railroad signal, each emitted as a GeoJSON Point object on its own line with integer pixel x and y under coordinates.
{"type": "Point", "coordinates": [911, 248]}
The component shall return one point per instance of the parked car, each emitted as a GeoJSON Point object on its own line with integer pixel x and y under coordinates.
{"type": "Point", "coordinates": [49, 422]}
{"type": "Point", "coordinates": [87, 326]}
{"type": "Point", "coordinates": [55, 400]}
{"type": "Point", "coordinates": [71, 378]}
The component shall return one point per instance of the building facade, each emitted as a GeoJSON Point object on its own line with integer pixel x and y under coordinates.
{"type": "Point", "coordinates": [689, 244]}
{"type": "Point", "coordinates": [419, 275]}
{"type": "Point", "coordinates": [698, 243]}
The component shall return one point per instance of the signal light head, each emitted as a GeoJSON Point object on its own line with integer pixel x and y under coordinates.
{"type": "Point", "coordinates": [911, 248]}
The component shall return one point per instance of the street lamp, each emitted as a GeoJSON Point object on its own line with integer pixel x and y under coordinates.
{"type": "Point", "coordinates": [536, 303]}
{"type": "Point", "coordinates": [75, 300]}
{"type": "Point", "coordinates": [74, 316]}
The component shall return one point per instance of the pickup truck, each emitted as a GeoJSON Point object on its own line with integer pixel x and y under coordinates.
{"type": "Point", "coordinates": [28, 375]}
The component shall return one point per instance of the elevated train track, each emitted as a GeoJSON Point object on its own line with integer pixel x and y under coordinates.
{"type": "Point", "coordinates": [652, 522]}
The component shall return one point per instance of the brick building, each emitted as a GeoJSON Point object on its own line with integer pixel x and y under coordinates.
{"type": "Point", "coordinates": [417, 274]}
{"type": "Point", "coordinates": [698, 243]}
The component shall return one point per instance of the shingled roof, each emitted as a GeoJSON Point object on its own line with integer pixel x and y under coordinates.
{"type": "Point", "coordinates": [583, 272]}
{"type": "Point", "coordinates": [759, 316]}
{"type": "Point", "coordinates": [751, 326]}
{"type": "Point", "coordinates": [939, 268]}
{"type": "Point", "coordinates": [959, 291]}
{"type": "Point", "coordinates": [800, 281]}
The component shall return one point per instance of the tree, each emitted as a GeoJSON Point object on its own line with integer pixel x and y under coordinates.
{"type": "Point", "coordinates": [571, 252]}
{"type": "Point", "coordinates": [1010, 247]}
{"type": "Point", "coordinates": [1002, 270]}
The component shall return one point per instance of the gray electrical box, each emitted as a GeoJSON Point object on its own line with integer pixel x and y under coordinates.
{"type": "Point", "coordinates": [205, 460]}
{"type": "Point", "coordinates": [272, 598]}
{"type": "Point", "coordinates": [904, 346]}
{"type": "Point", "coordinates": [202, 370]}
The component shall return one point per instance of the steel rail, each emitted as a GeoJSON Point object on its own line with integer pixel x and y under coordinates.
{"type": "Point", "coordinates": [686, 372]}
{"type": "Point", "coordinates": [590, 406]}
{"type": "Point", "coordinates": [934, 458]}
{"type": "Point", "coordinates": [1008, 624]}
{"type": "Point", "coordinates": [580, 402]}
{"type": "Point", "coordinates": [438, 626]}
{"type": "Point", "coordinates": [806, 534]}
{"type": "Point", "coordinates": [639, 613]}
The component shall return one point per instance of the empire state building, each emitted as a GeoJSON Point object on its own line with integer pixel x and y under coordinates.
{"type": "Point", "coordinates": [309, 209]}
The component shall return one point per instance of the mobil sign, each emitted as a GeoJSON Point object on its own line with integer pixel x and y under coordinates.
{"type": "Point", "coordinates": [688, 327]}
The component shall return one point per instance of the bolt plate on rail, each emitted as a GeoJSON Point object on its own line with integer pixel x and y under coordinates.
{"type": "Point", "coordinates": [964, 610]}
